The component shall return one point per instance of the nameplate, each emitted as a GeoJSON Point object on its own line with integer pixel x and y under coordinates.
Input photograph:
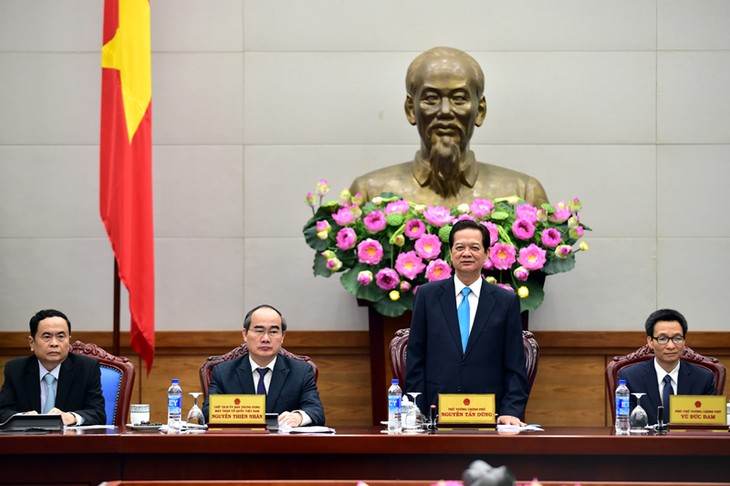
{"type": "Point", "coordinates": [697, 410]}
{"type": "Point", "coordinates": [237, 409]}
{"type": "Point", "coordinates": [468, 409]}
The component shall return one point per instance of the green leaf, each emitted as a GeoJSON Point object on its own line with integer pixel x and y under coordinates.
{"type": "Point", "coordinates": [537, 295]}
{"type": "Point", "coordinates": [389, 308]}
{"type": "Point", "coordinates": [314, 241]}
{"type": "Point", "coordinates": [556, 265]}
{"type": "Point", "coordinates": [320, 266]}
{"type": "Point", "coordinates": [499, 215]}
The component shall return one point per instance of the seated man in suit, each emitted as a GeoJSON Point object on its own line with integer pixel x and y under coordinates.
{"type": "Point", "coordinates": [53, 380]}
{"type": "Point", "coordinates": [466, 334]}
{"type": "Point", "coordinates": [666, 330]}
{"type": "Point", "coordinates": [288, 384]}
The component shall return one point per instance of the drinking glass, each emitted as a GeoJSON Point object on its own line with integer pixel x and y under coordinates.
{"type": "Point", "coordinates": [415, 417]}
{"type": "Point", "coordinates": [195, 415]}
{"type": "Point", "coordinates": [638, 420]}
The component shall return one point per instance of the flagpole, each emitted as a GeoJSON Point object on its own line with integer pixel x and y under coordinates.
{"type": "Point", "coordinates": [117, 308]}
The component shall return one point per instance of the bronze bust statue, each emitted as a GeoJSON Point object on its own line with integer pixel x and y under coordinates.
{"type": "Point", "coordinates": [445, 102]}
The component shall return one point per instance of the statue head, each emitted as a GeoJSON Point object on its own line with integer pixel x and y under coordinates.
{"type": "Point", "coordinates": [445, 102]}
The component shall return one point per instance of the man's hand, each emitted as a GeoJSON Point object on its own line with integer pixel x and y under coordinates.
{"type": "Point", "coordinates": [292, 419]}
{"type": "Point", "coordinates": [510, 420]}
{"type": "Point", "coordinates": [67, 417]}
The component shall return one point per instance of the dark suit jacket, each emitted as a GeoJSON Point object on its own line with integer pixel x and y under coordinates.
{"type": "Point", "coordinates": [642, 378]}
{"type": "Point", "coordinates": [78, 388]}
{"type": "Point", "coordinates": [494, 361]}
{"type": "Point", "coordinates": [292, 386]}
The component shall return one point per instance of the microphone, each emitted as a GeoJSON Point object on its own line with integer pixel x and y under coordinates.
{"type": "Point", "coordinates": [661, 426]}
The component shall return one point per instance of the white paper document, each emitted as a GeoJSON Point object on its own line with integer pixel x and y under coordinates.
{"type": "Point", "coordinates": [310, 429]}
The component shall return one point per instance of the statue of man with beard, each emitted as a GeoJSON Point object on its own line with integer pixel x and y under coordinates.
{"type": "Point", "coordinates": [445, 102]}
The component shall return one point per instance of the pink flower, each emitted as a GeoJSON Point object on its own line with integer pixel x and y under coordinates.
{"type": "Point", "coordinates": [387, 279]}
{"type": "Point", "coordinates": [400, 206]}
{"type": "Point", "coordinates": [343, 216]}
{"type": "Point", "coordinates": [463, 216]}
{"type": "Point", "coordinates": [576, 232]}
{"type": "Point", "coordinates": [409, 264]}
{"type": "Point", "coordinates": [437, 270]}
{"type": "Point", "coordinates": [346, 238]}
{"type": "Point", "coordinates": [532, 257]}
{"type": "Point", "coordinates": [563, 251]}
{"type": "Point", "coordinates": [438, 216]}
{"type": "Point", "coordinates": [502, 255]}
{"type": "Point", "coordinates": [310, 200]}
{"type": "Point", "coordinates": [322, 187]}
{"type": "Point", "coordinates": [526, 211]}
{"type": "Point", "coordinates": [493, 232]}
{"type": "Point", "coordinates": [551, 238]}
{"type": "Point", "coordinates": [523, 229]}
{"type": "Point", "coordinates": [428, 246]}
{"type": "Point", "coordinates": [506, 287]}
{"type": "Point", "coordinates": [521, 273]}
{"type": "Point", "coordinates": [561, 214]}
{"type": "Point", "coordinates": [415, 228]}
{"type": "Point", "coordinates": [365, 277]}
{"type": "Point", "coordinates": [488, 264]}
{"type": "Point", "coordinates": [375, 221]}
{"type": "Point", "coordinates": [404, 286]}
{"type": "Point", "coordinates": [481, 208]}
{"type": "Point", "coordinates": [369, 251]}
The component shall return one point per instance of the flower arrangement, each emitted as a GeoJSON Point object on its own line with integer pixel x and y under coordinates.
{"type": "Point", "coordinates": [385, 248]}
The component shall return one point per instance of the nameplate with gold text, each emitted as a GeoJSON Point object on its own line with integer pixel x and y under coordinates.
{"type": "Point", "coordinates": [466, 409]}
{"type": "Point", "coordinates": [697, 410]}
{"type": "Point", "coordinates": [237, 409]}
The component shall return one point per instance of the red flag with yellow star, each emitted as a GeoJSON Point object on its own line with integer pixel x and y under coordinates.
{"type": "Point", "coordinates": [126, 160]}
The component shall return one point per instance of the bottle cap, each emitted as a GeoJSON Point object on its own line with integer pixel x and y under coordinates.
{"type": "Point", "coordinates": [621, 382]}
{"type": "Point", "coordinates": [394, 381]}
{"type": "Point", "coordinates": [175, 380]}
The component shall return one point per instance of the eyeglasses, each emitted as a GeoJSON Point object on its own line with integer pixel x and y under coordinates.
{"type": "Point", "coordinates": [665, 339]}
{"type": "Point", "coordinates": [260, 331]}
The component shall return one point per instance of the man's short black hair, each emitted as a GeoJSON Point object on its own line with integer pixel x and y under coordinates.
{"type": "Point", "coordinates": [469, 224]}
{"type": "Point", "coordinates": [247, 319]}
{"type": "Point", "coordinates": [44, 314]}
{"type": "Point", "coordinates": [669, 315]}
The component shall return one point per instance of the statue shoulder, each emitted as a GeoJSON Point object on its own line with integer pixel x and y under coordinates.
{"type": "Point", "coordinates": [511, 181]}
{"type": "Point", "coordinates": [381, 180]}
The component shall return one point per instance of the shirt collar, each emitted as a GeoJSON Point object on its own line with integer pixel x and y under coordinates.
{"type": "Point", "coordinates": [475, 287]}
{"type": "Point", "coordinates": [254, 366]}
{"type": "Point", "coordinates": [43, 372]}
{"type": "Point", "coordinates": [469, 170]}
{"type": "Point", "coordinates": [661, 372]}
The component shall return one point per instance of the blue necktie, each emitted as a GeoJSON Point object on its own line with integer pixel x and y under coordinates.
{"type": "Point", "coordinates": [667, 391]}
{"type": "Point", "coordinates": [261, 387]}
{"type": "Point", "coordinates": [463, 313]}
{"type": "Point", "coordinates": [51, 393]}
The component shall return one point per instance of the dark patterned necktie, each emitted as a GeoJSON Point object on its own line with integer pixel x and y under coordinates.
{"type": "Point", "coordinates": [261, 387]}
{"type": "Point", "coordinates": [667, 391]}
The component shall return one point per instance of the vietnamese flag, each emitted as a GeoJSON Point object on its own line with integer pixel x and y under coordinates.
{"type": "Point", "coordinates": [126, 160]}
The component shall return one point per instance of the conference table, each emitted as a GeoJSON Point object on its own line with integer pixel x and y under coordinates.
{"type": "Point", "coordinates": [569, 454]}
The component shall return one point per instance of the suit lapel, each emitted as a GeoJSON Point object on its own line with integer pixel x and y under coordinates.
{"type": "Point", "coordinates": [651, 385]}
{"type": "Point", "coordinates": [684, 381]}
{"type": "Point", "coordinates": [244, 374]}
{"type": "Point", "coordinates": [65, 381]}
{"type": "Point", "coordinates": [484, 310]}
{"type": "Point", "coordinates": [281, 372]}
{"type": "Point", "coordinates": [447, 302]}
{"type": "Point", "coordinates": [32, 375]}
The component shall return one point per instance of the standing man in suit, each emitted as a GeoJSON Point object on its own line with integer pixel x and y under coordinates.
{"type": "Point", "coordinates": [666, 330]}
{"type": "Point", "coordinates": [52, 380]}
{"type": "Point", "coordinates": [288, 383]}
{"type": "Point", "coordinates": [485, 355]}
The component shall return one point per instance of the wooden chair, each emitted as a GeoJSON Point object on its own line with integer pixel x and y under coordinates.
{"type": "Point", "coordinates": [645, 353]}
{"type": "Point", "coordinates": [399, 343]}
{"type": "Point", "coordinates": [206, 370]}
{"type": "Point", "coordinates": [117, 381]}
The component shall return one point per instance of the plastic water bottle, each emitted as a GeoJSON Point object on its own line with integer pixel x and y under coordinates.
{"type": "Point", "coordinates": [622, 408]}
{"type": "Point", "coordinates": [174, 406]}
{"type": "Point", "coordinates": [394, 398]}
